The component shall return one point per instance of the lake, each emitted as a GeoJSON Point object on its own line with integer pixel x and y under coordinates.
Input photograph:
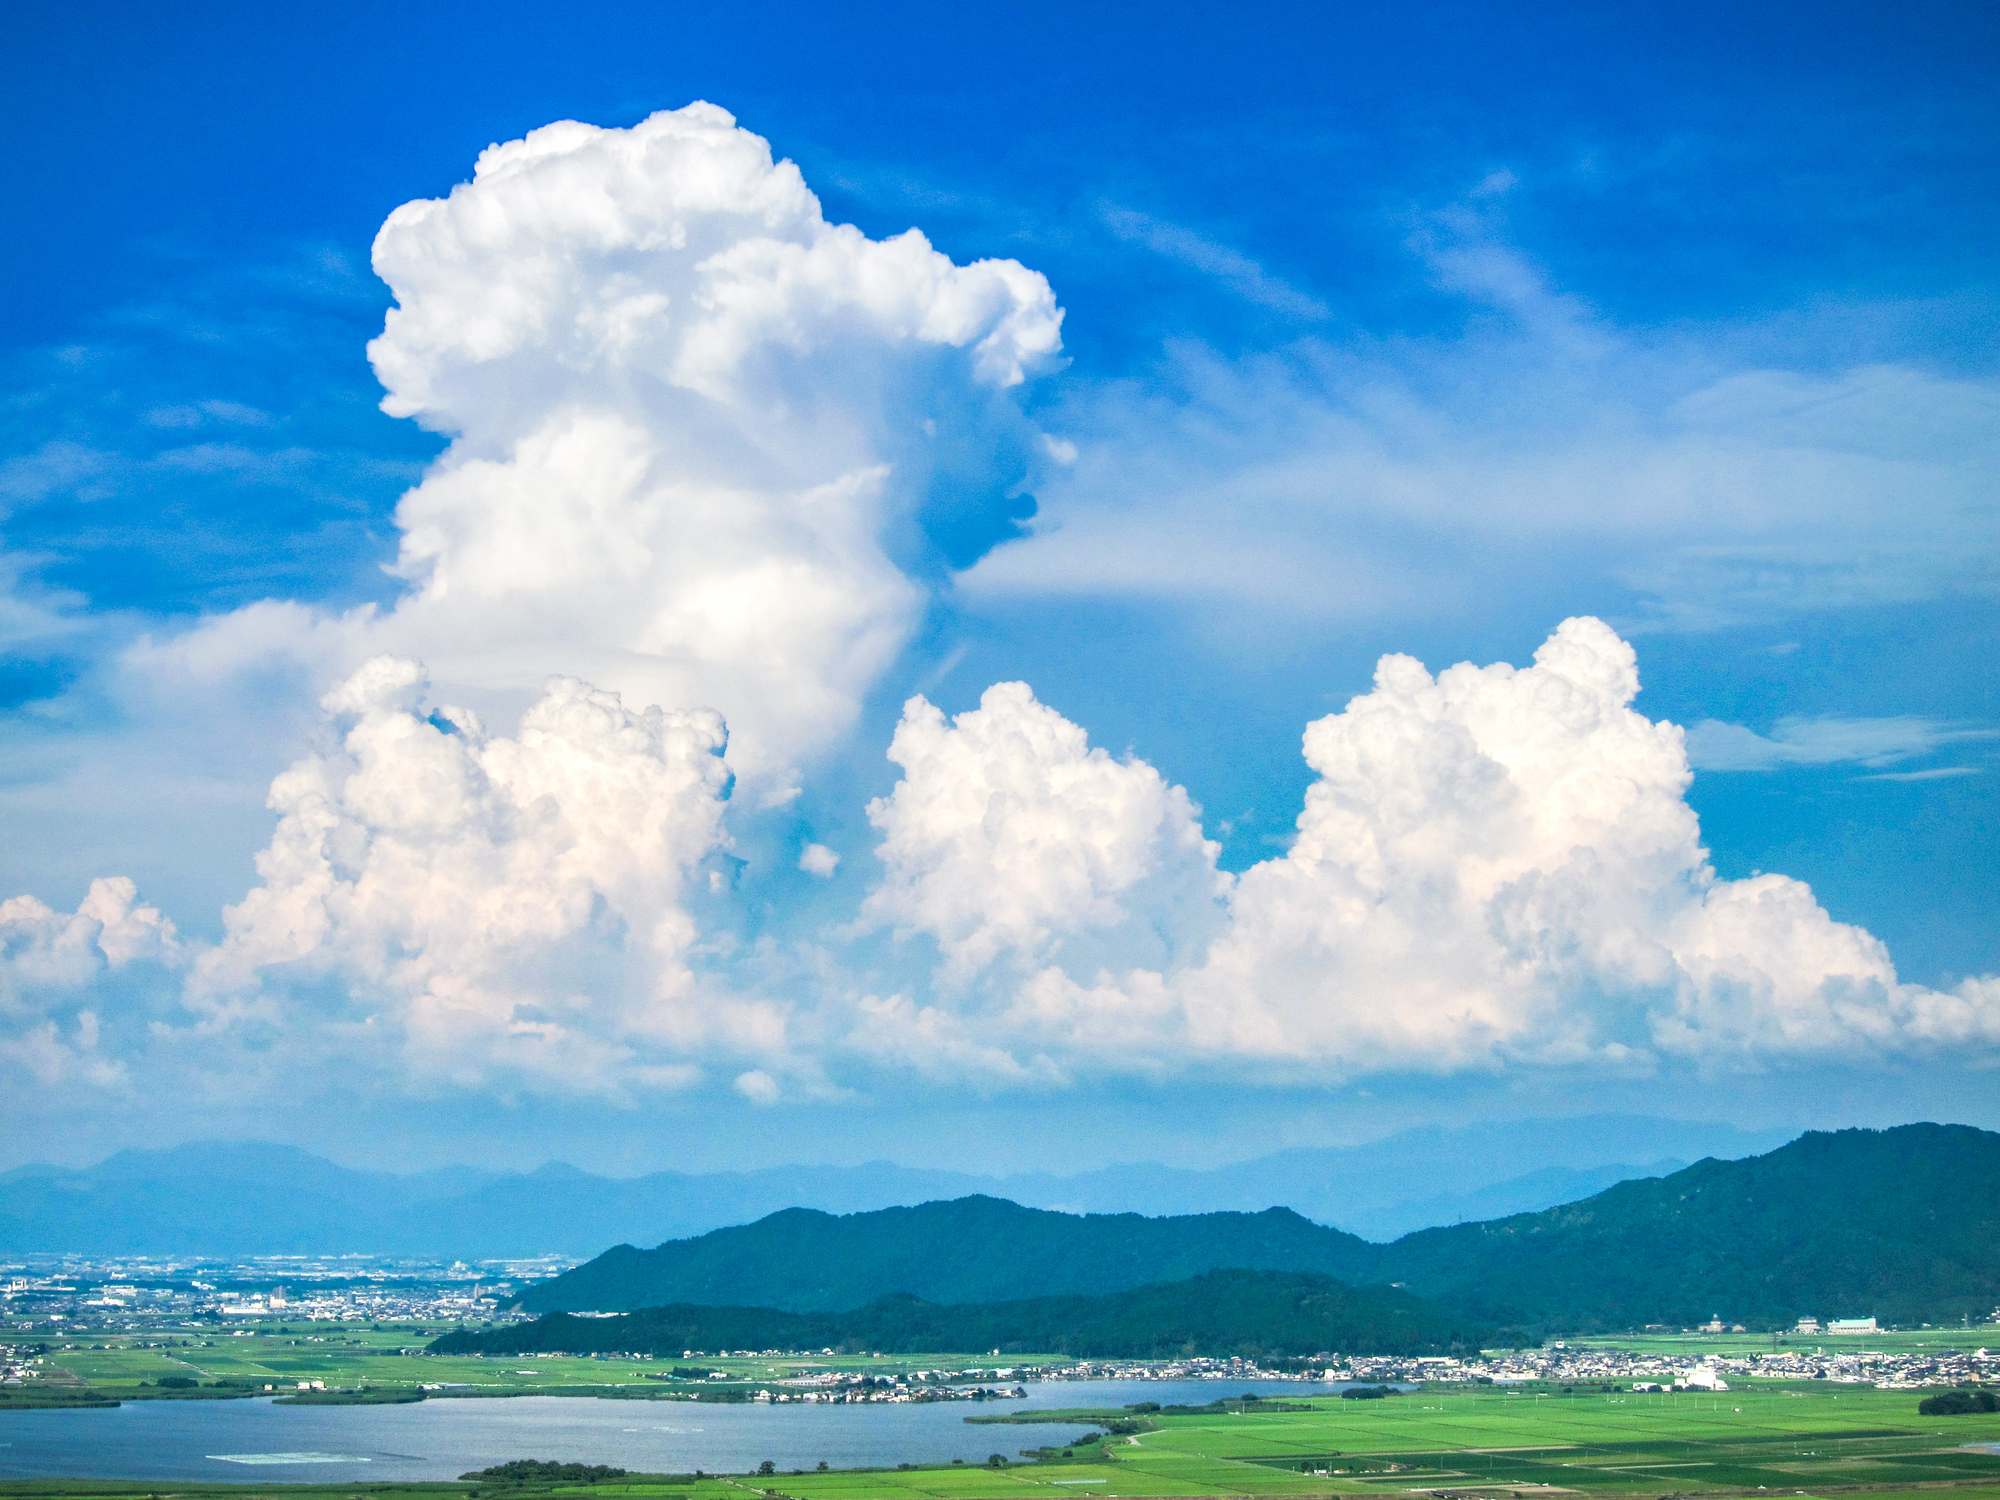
{"type": "Point", "coordinates": [441, 1439]}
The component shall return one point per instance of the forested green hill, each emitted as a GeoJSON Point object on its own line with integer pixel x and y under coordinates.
{"type": "Point", "coordinates": [1901, 1224]}
{"type": "Point", "coordinates": [1251, 1313]}
{"type": "Point", "coordinates": [975, 1249]}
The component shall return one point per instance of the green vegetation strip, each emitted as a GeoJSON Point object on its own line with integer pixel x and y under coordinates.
{"type": "Point", "coordinates": [1256, 1313]}
{"type": "Point", "coordinates": [1768, 1441]}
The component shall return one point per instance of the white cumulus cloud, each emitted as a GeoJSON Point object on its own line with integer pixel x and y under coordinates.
{"type": "Point", "coordinates": [1495, 867]}
{"type": "Point", "coordinates": [1501, 865]}
{"type": "Point", "coordinates": [710, 453]}
{"type": "Point", "coordinates": [110, 928]}
{"type": "Point", "coordinates": [699, 441]}
{"type": "Point", "coordinates": [1009, 833]}
{"type": "Point", "coordinates": [50, 965]}
{"type": "Point", "coordinates": [489, 905]}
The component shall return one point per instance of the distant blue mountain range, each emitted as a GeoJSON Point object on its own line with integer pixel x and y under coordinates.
{"type": "Point", "coordinates": [258, 1198]}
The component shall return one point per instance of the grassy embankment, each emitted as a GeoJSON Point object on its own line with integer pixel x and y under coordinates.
{"type": "Point", "coordinates": [1776, 1440]}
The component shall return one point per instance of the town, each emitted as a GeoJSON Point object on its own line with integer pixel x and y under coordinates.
{"type": "Point", "coordinates": [129, 1293]}
{"type": "Point", "coordinates": [1594, 1364]}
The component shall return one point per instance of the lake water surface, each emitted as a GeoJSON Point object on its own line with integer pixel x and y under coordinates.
{"type": "Point", "coordinates": [440, 1439]}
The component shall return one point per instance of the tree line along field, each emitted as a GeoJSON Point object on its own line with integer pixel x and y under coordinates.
{"type": "Point", "coordinates": [349, 1356]}
{"type": "Point", "coordinates": [1776, 1440]}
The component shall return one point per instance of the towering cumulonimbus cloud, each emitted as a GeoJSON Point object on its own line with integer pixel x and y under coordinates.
{"type": "Point", "coordinates": [698, 431]}
{"type": "Point", "coordinates": [1495, 867]}
{"type": "Point", "coordinates": [708, 451]}
{"type": "Point", "coordinates": [707, 448]}
{"type": "Point", "coordinates": [490, 907]}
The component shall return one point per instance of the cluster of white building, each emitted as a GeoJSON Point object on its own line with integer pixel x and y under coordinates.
{"type": "Point", "coordinates": [1837, 1326]}
{"type": "Point", "coordinates": [17, 1365]}
{"type": "Point", "coordinates": [73, 1293]}
{"type": "Point", "coordinates": [1582, 1367]}
{"type": "Point", "coordinates": [1648, 1371]}
{"type": "Point", "coordinates": [65, 1294]}
{"type": "Point", "coordinates": [1233, 1368]}
{"type": "Point", "coordinates": [900, 1391]}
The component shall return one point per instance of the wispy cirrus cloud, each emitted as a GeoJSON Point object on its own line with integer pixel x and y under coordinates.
{"type": "Point", "coordinates": [1245, 277]}
{"type": "Point", "coordinates": [1716, 746]}
{"type": "Point", "coordinates": [1676, 477]}
{"type": "Point", "coordinates": [1935, 773]}
{"type": "Point", "coordinates": [207, 413]}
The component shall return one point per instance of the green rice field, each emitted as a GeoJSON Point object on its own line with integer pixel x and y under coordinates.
{"type": "Point", "coordinates": [1482, 1443]}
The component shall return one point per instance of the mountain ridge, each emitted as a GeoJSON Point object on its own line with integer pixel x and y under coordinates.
{"type": "Point", "coordinates": [801, 1260]}
{"type": "Point", "coordinates": [1903, 1224]}
{"type": "Point", "coordinates": [256, 1198]}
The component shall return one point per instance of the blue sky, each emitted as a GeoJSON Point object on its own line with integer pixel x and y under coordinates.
{"type": "Point", "coordinates": [1382, 331]}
